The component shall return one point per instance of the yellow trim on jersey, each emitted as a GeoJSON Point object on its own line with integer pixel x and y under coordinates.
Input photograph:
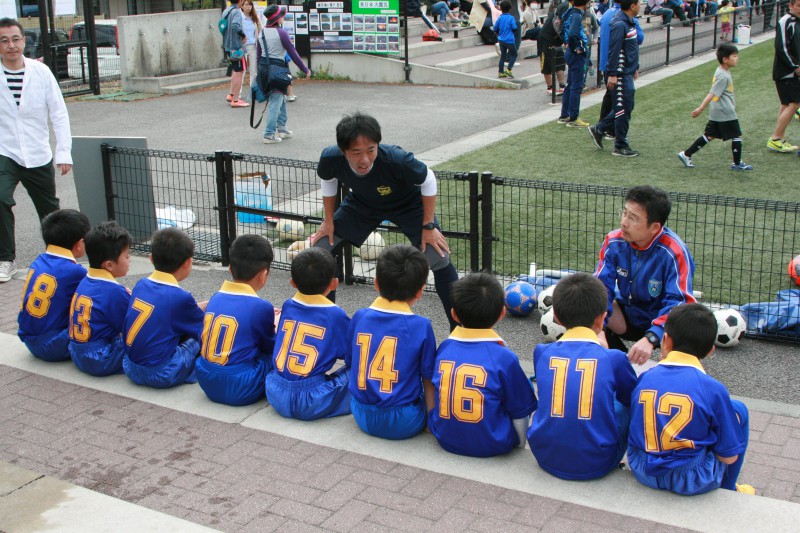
{"type": "Point", "coordinates": [476, 335]}
{"type": "Point", "coordinates": [715, 99]}
{"type": "Point", "coordinates": [315, 300]}
{"type": "Point", "coordinates": [580, 333]}
{"type": "Point", "coordinates": [101, 273]}
{"type": "Point", "coordinates": [163, 277]}
{"type": "Point", "coordinates": [242, 289]}
{"type": "Point", "coordinates": [396, 306]}
{"type": "Point", "coordinates": [52, 249]}
{"type": "Point", "coordinates": [682, 359]}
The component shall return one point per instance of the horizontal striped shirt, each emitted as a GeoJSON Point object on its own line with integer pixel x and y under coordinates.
{"type": "Point", "coordinates": [14, 79]}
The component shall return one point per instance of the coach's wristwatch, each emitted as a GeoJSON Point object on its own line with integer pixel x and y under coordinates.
{"type": "Point", "coordinates": [429, 226]}
{"type": "Point", "coordinates": [652, 338]}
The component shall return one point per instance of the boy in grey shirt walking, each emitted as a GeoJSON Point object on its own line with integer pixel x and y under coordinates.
{"type": "Point", "coordinates": [722, 121]}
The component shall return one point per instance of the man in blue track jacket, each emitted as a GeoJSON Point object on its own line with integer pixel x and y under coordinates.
{"type": "Point", "coordinates": [647, 270]}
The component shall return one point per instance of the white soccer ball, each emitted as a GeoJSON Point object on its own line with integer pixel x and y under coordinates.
{"type": "Point", "coordinates": [296, 247]}
{"type": "Point", "coordinates": [372, 247]}
{"type": "Point", "coordinates": [290, 230]}
{"type": "Point", "coordinates": [546, 299]}
{"type": "Point", "coordinates": [551, 329]}
{"type": "Point", "coordinates": [731, 326]}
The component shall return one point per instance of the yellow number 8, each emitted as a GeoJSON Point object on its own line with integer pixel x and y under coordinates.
{"type": "Point", "coordinates": [38, 303]}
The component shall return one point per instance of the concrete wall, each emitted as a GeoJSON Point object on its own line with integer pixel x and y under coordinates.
{"type": "Point", "coordinates": [169, 43]}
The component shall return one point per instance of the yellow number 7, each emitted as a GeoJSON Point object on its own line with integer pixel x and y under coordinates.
{"type": "Point", "coordinates": [145, 310]}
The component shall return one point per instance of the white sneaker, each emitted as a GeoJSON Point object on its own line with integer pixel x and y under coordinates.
{"type": "Point", "coordinates": [272, 139]}
{"type": "Point", "coordinates": [291, 97]}
{"type": "Point", "coordinates": [7, 270]}
{"type": "Point", "coordinates": [283, 133]}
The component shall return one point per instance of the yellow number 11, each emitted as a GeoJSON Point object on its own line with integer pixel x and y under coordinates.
{"type": "Point", "coordinates": [588, 370]}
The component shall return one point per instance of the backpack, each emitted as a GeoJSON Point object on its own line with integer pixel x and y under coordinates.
{"type": "Point", "coordinates": [488, 36]}
{"type": "Point", "coordinates": [431, 35]}
{"type": "Point", "coordinates": [222, 25]}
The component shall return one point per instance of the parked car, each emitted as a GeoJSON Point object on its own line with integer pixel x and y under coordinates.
{"type": "Point", "coordinates": [34, 50]}
{"type": "Point", "coordinates": [107, 50]}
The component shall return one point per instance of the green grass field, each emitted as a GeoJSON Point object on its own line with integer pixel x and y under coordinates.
{"type": "Point", "coordinates": [662, 126]}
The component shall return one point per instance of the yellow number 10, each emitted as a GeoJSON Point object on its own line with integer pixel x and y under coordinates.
{"type": "Point", "coordinates": [588, 370]}
{"type": "Point", "coordinates": [381, 368]}
{"type": "Point", "coordinates": [669, 435]}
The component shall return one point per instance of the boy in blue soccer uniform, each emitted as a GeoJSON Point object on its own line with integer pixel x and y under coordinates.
{"type": "Point", "coordinates": [239, 328]}
{"type": "Point", "coordinates": [52, 279]}
{"type": "Point", "coordinates": [391, 349]}
{"type": "Point", "coordinates": [483, 399]}
{"type": "Point", "coordinates": [163, 324]}
{"type": "Point", "coordinates": [312, 336]}
{"type": "Point", "coordinates": [687, 435]}
{"type": "Point", "coordinates": [580, 429]}
{"type": "Point", "coordinates": [100, 303]}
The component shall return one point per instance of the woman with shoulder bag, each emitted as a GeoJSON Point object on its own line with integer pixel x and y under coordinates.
{"type": "Point", "coordinates": [273, 44]}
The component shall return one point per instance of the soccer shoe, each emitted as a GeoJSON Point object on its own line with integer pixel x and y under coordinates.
{"type": "Point", "coordinates": [7, 270]}
{"type": "Point", "coordinates": [271, 139]}
{"type": "Point", "coordinates": [563, 120]}
{"type": "Point", "coordinates": [240, 103]}
{"type": "Point", "coordinates": [686, 160]}
{"type": "Point", "coordinates": [597, 136]}
{"type": "Point", "coordinates": [741, 166]}
{"type": "Point", "coordinates": [780, 145]}
{"type": "Point", "coordinates": [284, 133]}
{"type": "Point", "coordinates": [509, 73]}
{"type": "Point", "coordinates": [745, 489]}
{"type": "Point", "coordinates": [577, 123]}
{"type": "Point", "coordinates": [624, 152]}
{"type": "Point", "coordinates": [502, 75]}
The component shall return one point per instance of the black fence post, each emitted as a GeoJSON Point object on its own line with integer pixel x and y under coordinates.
{"type": "Point", "coordinates": [694, 38]}
{"type": "Point", "coordinates": [666, 51]}
{"type": "Point", "coordinates": [714, 40]}
{"type": "Point", "coordinates": [105, 151]}
{"type": "Point", "coordinates": [474, 230]}
{"type": "Point", "coordinates": [486, 221]}
{"type": "Point", "coordinates": [347, 256]}
{"type": "Point", "coordinates": [222, 206]}
{"type": "Point", "coordinates": [553, 74]}
{"type": "Point", "coordinates": [733, 26]}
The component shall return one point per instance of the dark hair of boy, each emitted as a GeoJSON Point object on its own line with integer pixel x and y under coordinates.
{"type": "Point", "coordinates": [65, 228]}
{"type": "Point", "coordinates": [170, 248]}
{"type": "Point", "coordinates": [10, 23]}
{"type": "Point", "coordinates": [655, 202]}
{"type": "Point", "coordinates": [249, 254]}
{"type": "Point", "coordinates": [579, 3]}
{"type": "Point", "coordinates": [401, 271]}
{"type": "Point", "coordinates": [578, 300]}
{"type": "Point", "coordinates": [505, 6]}
{"type": "Point", "coordinates": [356, 125]}
{"type": "Point", "coordinates": [726, 50]}
{"type": "Point", "coordinates": [692, 328]}
{"type": "Point", "coordinates": [106, 242]}
{"type": "Point", "coordinates": [478, 300]}
{"type": "Point", "coordinates": [312, 271]}
{"type": "Point", "coordinates": [625, 5]}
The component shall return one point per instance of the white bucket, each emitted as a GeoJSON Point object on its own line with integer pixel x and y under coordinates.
{"type": "Point", "coordinates": [743, 34]}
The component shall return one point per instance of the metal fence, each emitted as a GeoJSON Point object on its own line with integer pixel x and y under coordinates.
{"type": "Point", "coordinates": [741, 246]}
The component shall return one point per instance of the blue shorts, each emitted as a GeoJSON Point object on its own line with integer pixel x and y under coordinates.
{"type": "Point", "coordinates": [322, 396]}
{"type": "Point", "coordinates": [395, 423]}
{"type": "Point", "coordinates": [98, 358]}
{"type": "Point", "coordinates": [177, 369]}
{"type": "Point", "coordinates": [52, 346]}
{"type": "Point", "coordinates": [240, 384]}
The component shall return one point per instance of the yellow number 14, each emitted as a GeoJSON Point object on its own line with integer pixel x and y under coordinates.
{"type": "Point", "coordinates": [381, 368]}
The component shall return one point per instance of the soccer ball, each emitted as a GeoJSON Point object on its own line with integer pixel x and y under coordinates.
{"type": "Point", "coordinates": [794, 269]}
{"type": "Point", "coordinates": [520, 297]}
{"type": "Point", "coordinates": [290, 230]}
{"type": "Point", "coordinates": [296, 247]}
{"type": "Point", "coordinates": [730, 327]}
{"type": "Point", "coordinates": [372, 247]}
{"type": "Point", "coordinates": [551, 329]}
{"type": "Point", "coordinates": [546, 299]}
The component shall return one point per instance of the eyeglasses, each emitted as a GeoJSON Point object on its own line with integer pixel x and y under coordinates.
{"type": "Point", "coordinates": [15, 40]}
{"type": "Point", "coordinates": [633, 219]}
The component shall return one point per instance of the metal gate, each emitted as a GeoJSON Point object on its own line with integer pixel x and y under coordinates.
{"type": "Point", "coordinates": [67, 44]}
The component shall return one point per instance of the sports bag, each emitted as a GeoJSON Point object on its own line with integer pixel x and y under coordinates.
{"type": "Point", "coordinates": [222, 25]}
{"type": "Point", "coordinates": [488, 36]}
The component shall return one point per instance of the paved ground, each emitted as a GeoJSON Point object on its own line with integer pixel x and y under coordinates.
{"type": "Point", "coordinates": [226, 475]}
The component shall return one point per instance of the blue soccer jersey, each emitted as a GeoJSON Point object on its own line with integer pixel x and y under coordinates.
{"type": "Point", "coordinates": [238, 326]}
{"type": "Point", "coordinates": [98, 308]}
{"type": "Point", "coordinates": [312, 335]}
{"type": "Point", "coordinates": [575, 432]}
{"type": "Point", "coordinates": [159, 317]}
{"type": "Point", "coordinates": [390, 350]}
{"type": "Point", "coordinates": [678, 414]}
{"type": "Point", "coordinates": [480, 390]}
{"type": "Point", "coordinates": [49, 287]}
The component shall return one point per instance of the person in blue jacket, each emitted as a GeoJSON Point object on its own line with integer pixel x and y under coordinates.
{"type": "Point", "coordinates": [577, 44]}
{"type": "Point", "coordinates": [647, 270]}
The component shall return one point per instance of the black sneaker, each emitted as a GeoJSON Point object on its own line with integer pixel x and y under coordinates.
{"type": "Point", "coordinates": [597, 137]}
{"type": "Point", "coordinates": [624, 152]}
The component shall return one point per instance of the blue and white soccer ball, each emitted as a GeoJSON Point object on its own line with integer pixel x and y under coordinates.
{"type": "Point", "coordinates": [731, 326]}
{"type": "Point", "coordinates": [546, 299]}
{"type": "Point", "coordinates": [290, 230]}
{"type": "Point", "coordinates": [520, 298]}
{"type": "Point", "coordinates": [551, 329]}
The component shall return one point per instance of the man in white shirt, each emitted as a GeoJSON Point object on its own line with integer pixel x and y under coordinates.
{"type": "Point", "coordinates": [29, 96]}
